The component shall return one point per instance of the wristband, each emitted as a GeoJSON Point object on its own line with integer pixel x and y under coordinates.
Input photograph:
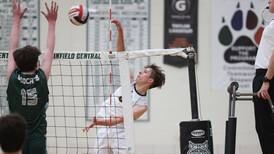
{"type": "Point", "coordinates": [265, 79]}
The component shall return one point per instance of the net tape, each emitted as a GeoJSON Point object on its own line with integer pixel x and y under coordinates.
{"type": "Point", "coordinates": [84, 55]}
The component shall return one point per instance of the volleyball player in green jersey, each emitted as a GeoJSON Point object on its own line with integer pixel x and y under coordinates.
{"type": "Point", "coordinates": [27, 91]}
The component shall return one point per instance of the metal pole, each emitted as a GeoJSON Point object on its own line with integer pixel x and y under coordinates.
{"type": "Point", "coordinates": [231, 123]}
{"type": "Point", "coordinates": [192, 85]}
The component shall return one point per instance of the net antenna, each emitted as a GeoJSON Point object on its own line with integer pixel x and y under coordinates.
{"type": "Point", "coordinates": [109, 26]}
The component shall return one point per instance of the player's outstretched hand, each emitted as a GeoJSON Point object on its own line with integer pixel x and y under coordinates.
{"type": "Point", "coordinates": [91, 125]}
{"type": "Point", "coordinates": [17, 11]}
{"type": "Point", "coordinates": [117, 23]}
{"type": "Point", "coordinates": [86, 129]}
{"type": "Point", "coordinates": [51, 14]}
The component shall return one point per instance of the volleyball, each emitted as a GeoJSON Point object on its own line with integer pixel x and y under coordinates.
{"type": "Point", "coordinates": [78, 14]}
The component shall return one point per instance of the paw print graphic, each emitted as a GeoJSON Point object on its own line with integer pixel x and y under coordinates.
{"type": "Point", "coordinates": [244, 47]}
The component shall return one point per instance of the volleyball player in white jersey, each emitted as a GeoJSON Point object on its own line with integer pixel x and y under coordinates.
{"type": "Point", "coordinates": [111, 138]}
{"type": "Point", "coordinates": [263, 85]}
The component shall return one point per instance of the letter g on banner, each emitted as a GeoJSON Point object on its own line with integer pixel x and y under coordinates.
{"type": "Point", "coordinates": [181, 6]}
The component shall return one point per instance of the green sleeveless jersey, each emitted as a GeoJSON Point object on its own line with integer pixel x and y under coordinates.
{"type": "Point", "coordinates": [27, 94]}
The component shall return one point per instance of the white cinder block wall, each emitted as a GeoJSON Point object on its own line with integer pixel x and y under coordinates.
{"type": "Point", "coordinates": [171, 105]}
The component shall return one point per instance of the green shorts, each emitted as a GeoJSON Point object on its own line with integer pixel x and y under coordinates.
{"type": "Point", "coordinates": [35, 144]}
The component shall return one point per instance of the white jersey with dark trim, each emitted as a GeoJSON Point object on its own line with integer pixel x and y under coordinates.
{"type": "Point", "coordinates": [113, 106]}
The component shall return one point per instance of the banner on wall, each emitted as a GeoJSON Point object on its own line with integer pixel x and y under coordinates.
{"type": "Point", "coordinates": [181, 18]}
{"type": "Point", "coordinates": [30, 24]}
{"type": "Point", "coordinates": [236, 31]}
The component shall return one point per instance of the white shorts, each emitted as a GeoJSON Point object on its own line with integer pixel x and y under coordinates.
{"type": "Point", "coordinates": [111, 141]}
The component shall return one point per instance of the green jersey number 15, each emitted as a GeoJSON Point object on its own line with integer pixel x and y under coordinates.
{"type": "Point", "coordinates": [29, 97]}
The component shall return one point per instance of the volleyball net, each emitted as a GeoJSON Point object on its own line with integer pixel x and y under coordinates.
{"type": "Point", "coordinates": [79, 86]}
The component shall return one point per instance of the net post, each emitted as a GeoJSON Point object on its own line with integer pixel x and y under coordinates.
{"type": "Point", "coordinates": [195, 133]}
{"type": "Point", "coordinates": [127, 108]}
{"type": "Point", "coordinates": [192, 85]}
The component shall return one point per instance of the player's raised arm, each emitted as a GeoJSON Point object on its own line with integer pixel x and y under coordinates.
{"type": "Point", "coordinates": [103, 122]}
{"type": "Point", "coordinates": [120, 44]}
{"type": "Point", "coordinates": [51, 16]}
{"type": "Point", "coordinates": [17, 14]}
{"type": "Point", "coordinates": [120, 36]}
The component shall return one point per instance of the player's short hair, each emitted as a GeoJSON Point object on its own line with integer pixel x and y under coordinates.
{"type": "Point", "coordinates": [158, 76]}
{"type": "Point", "coordinates": [12, 132]}
{"type": "Point", "coordinates": [26, 58]}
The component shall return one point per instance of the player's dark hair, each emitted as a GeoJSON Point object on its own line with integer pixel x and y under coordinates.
{"type": "Point", "coordinates": [26, 58]}
{"type": "Point", "coordinates": [12, 132]}
{"type": "Point", "coordinates": [158, 76]}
